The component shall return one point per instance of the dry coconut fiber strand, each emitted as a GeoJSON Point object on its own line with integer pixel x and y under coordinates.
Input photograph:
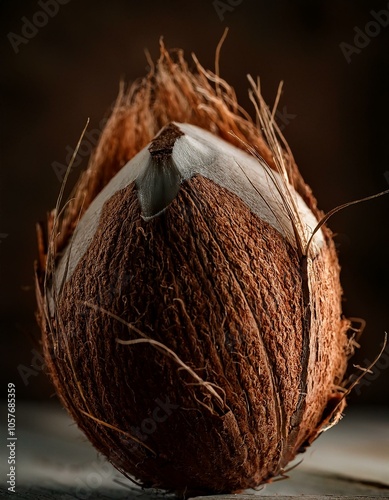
{"type": "Point", "coordinates": [190, 305]}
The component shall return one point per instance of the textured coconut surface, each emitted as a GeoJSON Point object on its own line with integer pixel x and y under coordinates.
{"type": "Point", "coordinates": [55, 461]}
{"type": "Point", "coordinates": [206, 282]}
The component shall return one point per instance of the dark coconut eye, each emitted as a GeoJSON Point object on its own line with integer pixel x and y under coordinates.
{"type": "Point", "coordinates": [191, 317]}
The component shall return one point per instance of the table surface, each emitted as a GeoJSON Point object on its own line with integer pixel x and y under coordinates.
{"type": "Point", "coordinates": [55, 461]}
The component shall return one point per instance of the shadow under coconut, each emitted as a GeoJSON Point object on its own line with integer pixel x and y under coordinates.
{"type": "Point", "coordinates": [67, 493]}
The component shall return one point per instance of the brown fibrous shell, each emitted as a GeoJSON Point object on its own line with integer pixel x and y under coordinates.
{"type": "Point", "coordinates": [192, 349]}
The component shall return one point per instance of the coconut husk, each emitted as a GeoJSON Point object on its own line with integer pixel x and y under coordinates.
{"type": "Point", "coordinates": [243, 350]}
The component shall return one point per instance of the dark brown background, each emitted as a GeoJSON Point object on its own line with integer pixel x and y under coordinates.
{"type": "Point", "coordinates": [71, 69]}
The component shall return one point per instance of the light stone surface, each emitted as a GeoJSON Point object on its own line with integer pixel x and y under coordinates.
{"type": "Point", "coordinates": [55, 461]}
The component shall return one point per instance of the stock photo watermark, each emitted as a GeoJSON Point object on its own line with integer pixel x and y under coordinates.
{"type": "Point", "coordinates": [223, 6]}
{"type": "Point", "coordinates": [284, 118]}
{"type": "Point", "coordinates": [88, 482]}
{"type": "Point", "coordinates": [363, 36]}
{"type": "Point", "coordinates": [82, 480]}
{"type": "Point", "coordinates": [11, 438]}
{"type": "Point", "coordinates": [161, 412]}
{"type": "Point", "coordinates": [36, 366]}
{"type": "Point", "coordinates": [30, 27]}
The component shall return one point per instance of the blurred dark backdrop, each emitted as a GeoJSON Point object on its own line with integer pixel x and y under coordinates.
{"type": "Point", "coordinates": [334, 112]}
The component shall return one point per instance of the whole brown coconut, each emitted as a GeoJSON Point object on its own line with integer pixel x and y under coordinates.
{"type": "Point", "coordinates": [191, 317]}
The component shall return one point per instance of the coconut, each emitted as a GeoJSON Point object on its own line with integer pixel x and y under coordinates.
{"type": "Point", "coordinates": [188, 297]}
